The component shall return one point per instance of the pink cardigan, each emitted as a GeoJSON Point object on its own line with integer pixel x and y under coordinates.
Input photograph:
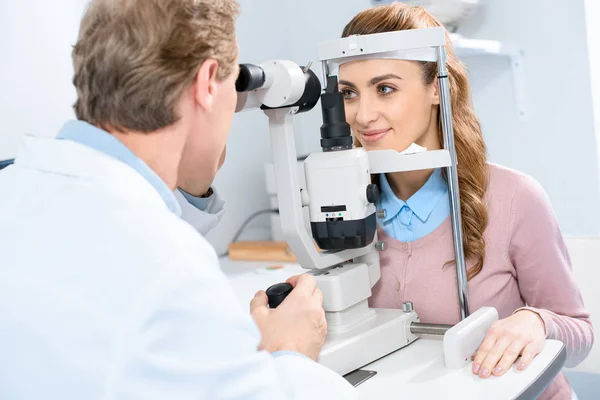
{"type": "Point", "coordinates": [526, 265]}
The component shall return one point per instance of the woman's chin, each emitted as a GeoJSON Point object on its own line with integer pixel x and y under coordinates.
{"type": "Point", "coordinates": [373, 146]}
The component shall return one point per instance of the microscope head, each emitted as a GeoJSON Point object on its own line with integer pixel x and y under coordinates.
{"type": "Point", "coordinates": [338, 181]}
{"type": "Point", "coordinates": [339, 192]}
{"type": "Point", "coordinates": [341, 205]}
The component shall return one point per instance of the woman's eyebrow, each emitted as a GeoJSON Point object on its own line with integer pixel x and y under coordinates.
{"type": "Point", "coordinates": [374, 81]}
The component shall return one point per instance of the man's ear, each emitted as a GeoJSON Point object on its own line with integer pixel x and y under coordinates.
{"type": "Point", "coordinates": [435, 92]}
{"type": "Point", "coordinates": [205, 84]}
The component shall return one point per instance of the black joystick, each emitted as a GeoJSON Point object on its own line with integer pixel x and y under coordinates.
{"type": "Point", "coordinates": [277, 293]}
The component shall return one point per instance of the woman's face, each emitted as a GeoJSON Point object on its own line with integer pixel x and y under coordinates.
{"type": "Point", "coordinates": [388, 105]}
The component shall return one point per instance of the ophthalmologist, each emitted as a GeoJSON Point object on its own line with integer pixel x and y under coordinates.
{"type": "Point", "coordinates": [105, 291]}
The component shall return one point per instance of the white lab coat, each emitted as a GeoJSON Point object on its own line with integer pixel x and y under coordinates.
{"type": "Point", "coordinates": [105, 293]}
{"type": "Point", "coordinates": [203, 220]}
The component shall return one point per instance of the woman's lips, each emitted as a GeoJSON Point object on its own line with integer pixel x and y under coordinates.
{"type": "Point", "coordinates": [374, 135]}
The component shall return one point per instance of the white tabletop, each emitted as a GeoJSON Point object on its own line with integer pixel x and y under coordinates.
{"type": "Point", "coordinates": [418, 372]}
{"type": "Point", "coordinates": [413, 372]}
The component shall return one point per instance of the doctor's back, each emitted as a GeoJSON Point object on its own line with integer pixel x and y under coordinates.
{"type": "Point", "coordinates": [105, 292]}
{"type": "Point", "coordinates": [101, 286]}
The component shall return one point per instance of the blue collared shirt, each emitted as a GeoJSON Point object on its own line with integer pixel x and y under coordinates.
{"type": "Point", "coordinates": [100, 140]}
{"type": "Point", "coordinates": [421, 214]}
{"type": "Point", "coordinates": [201, 203]}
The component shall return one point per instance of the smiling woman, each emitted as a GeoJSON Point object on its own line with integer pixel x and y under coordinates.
{"type": "Point", "coordinates": [516, 257]}
{"type": "Point", "coordinates": [391, 104]}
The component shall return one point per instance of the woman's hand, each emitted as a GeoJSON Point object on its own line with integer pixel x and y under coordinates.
{"type": "Point", "coordinates": [523, 333]}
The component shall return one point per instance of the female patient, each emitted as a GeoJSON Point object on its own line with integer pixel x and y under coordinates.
{"type": "Point", "coordinates": [516, 256]}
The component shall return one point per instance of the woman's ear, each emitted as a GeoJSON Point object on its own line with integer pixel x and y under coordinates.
{"type": "Point", "coordinates": [435, 92]}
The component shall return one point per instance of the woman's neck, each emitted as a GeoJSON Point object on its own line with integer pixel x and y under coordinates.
{"type": "Point", "coordinates": [406, 184]}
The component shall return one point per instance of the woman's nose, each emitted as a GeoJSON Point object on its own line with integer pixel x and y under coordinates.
{"type": "Point", "coordinates": [366, 113]}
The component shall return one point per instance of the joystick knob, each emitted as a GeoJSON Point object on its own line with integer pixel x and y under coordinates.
{"type": "Point", "coordinates": [277, 293]}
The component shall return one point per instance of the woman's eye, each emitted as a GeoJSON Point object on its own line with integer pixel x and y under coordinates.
{"type": "Point", "coordinates": [384, 89]}
{"type": "Point", "coordinates": [348, 94]}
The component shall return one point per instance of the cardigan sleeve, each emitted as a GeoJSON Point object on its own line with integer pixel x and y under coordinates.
{"type": "Point", "coordinates": [544, 273]}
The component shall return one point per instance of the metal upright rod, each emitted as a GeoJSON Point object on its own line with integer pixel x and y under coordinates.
{"type": "Point", "coordinates": [325, 72]}
{"type": "Point", "coordinates": [448, 130]}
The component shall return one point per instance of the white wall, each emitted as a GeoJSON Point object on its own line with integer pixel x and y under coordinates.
{"type": "Point", "coordinates": [557, 145]}
{"type": "Point", "coordinates": [592, 15]}
{"type": "Point", "coordinates": [585, 258]}
{"type": "Point", "coordinates": [36, 93]}
{"type": "Point", "coordinates": [585, 252]}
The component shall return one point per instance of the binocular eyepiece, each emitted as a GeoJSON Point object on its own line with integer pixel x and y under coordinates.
{"type": "Point", "coordinates": [251, 77]}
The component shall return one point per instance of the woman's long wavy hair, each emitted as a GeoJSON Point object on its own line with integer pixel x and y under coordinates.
{"type": "Point", "coordinates": [470, 147]}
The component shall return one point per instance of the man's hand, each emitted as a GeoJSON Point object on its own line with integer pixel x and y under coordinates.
{"type": "Point", "coordinates": [298, 324]}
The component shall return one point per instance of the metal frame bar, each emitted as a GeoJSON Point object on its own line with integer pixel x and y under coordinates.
{"type": "Point", "coordinates": [365, 45]}
{"type": "Point", "coordinates": [453, 190]}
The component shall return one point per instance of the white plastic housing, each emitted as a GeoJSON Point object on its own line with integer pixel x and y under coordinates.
{"type": "Point", "coordinates": [382, 161]}
{"type": "Point", "coordinates": [416, 44]}
{"type": "Point", "coordinates": [381, 332]}
{"type": "Point", "coordinates": [462, 340]}
{"type": "Point", "coordinates": [344, 287]}
{"type": "Point", "coordinates": [338, 179]}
